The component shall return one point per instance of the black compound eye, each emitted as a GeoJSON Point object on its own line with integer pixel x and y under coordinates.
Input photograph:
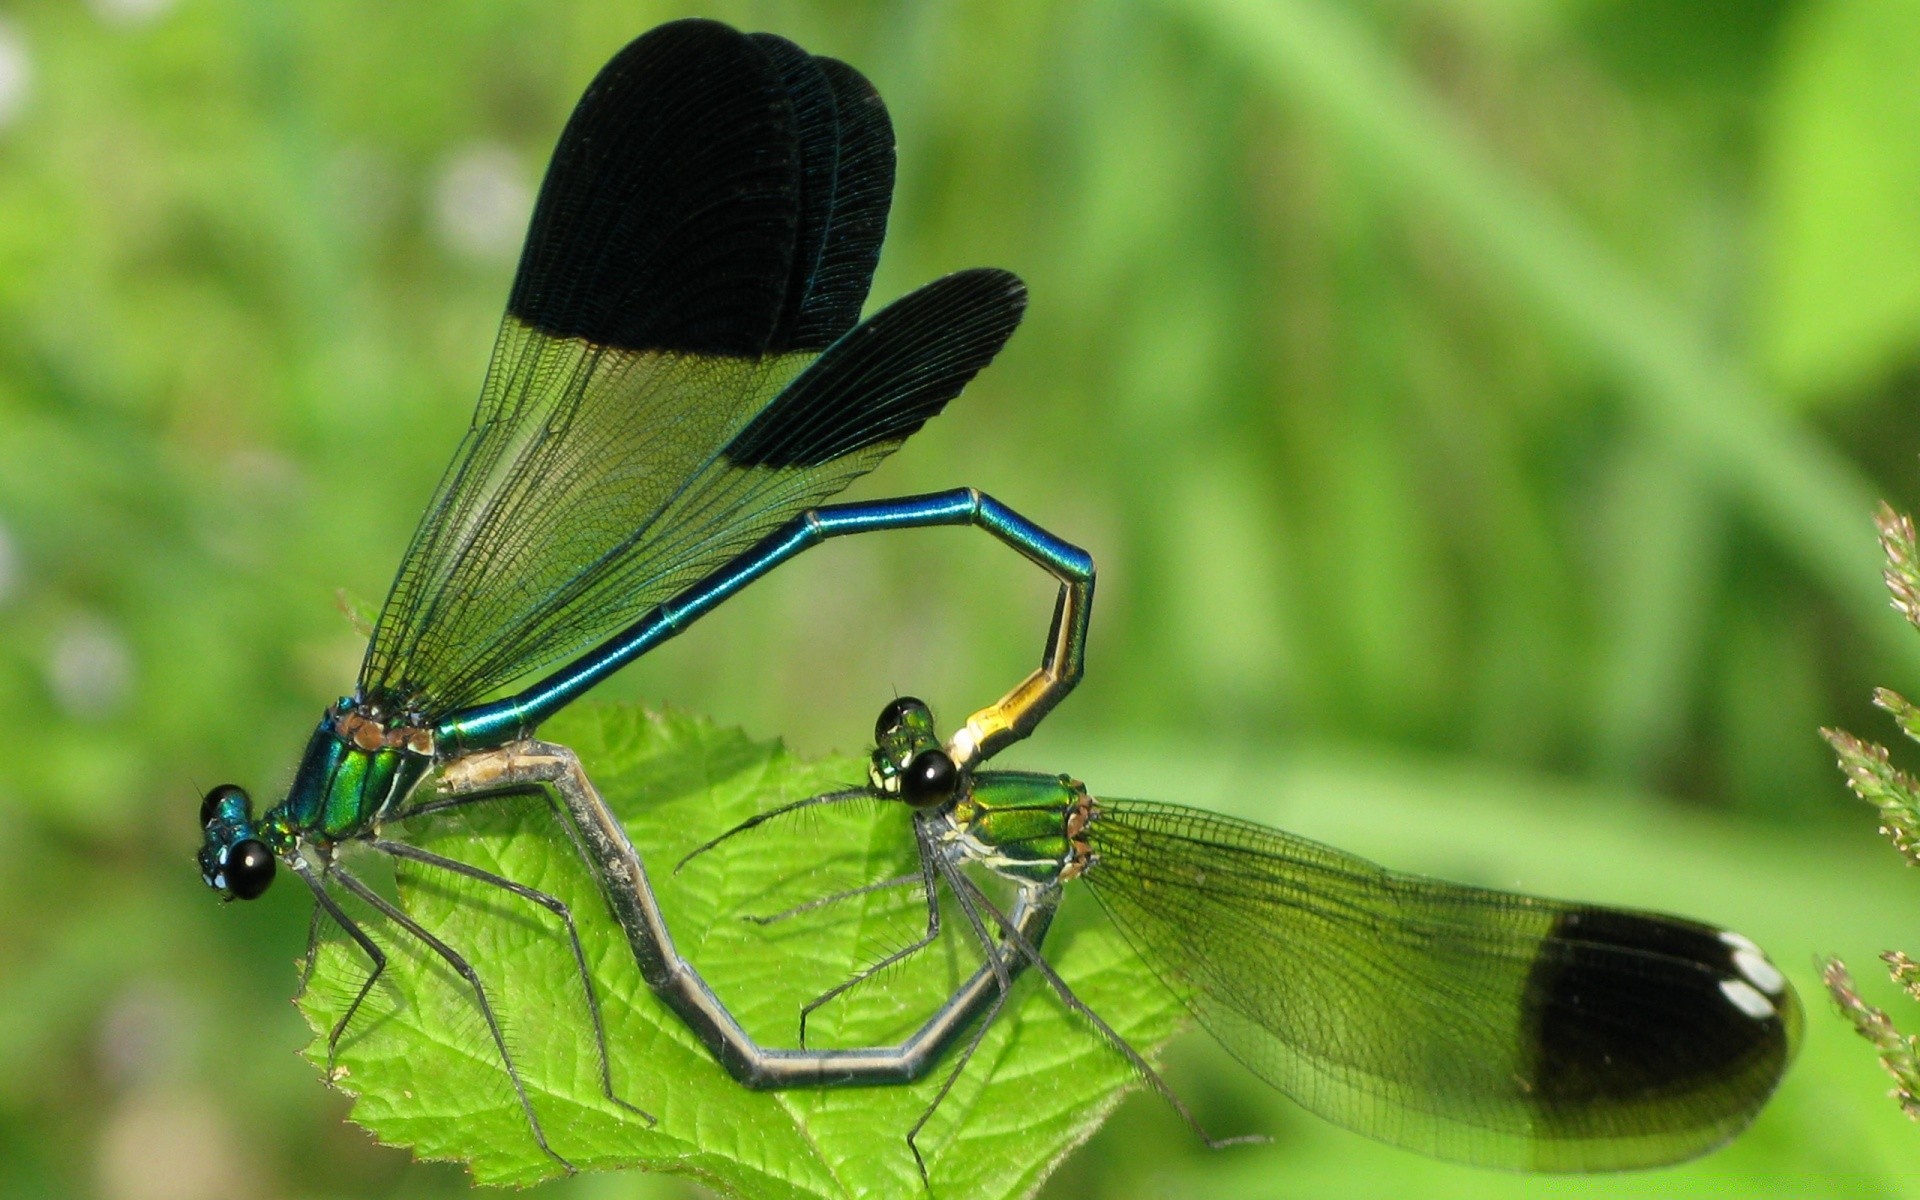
{"type": "Point", "coordinates": [929, 779]}
{"type": "Point", "coordinates": [249, 869]}
{"type": "Point", "coordinates": [895, 714]}
{"type": "Point", "coordinates": [217, 797]}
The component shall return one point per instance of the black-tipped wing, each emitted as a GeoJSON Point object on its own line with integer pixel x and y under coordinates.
{"type": "Point", "coordinates": [845, 412]}
{"type": "Point", "coordinates": [708, 226]}
{"type": "Point", "coordinates": [845, 144]}
{"type": "Point", "coordinates": [667, 217]}
{"type": "Point", "coordinates": [1475, 1025]}
{"type": "Point", "coordinates": [884, 379]}
{"type": "Point", "coordinates": [713, 193]}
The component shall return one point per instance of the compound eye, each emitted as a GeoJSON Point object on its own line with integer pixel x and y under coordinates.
{"type": "Point", "coordinates": [249, 869]}
{"type": "Point", "coordinates": [218, 797]}
{"type": "Point", "coordinates": [929, 779]}
{"type": "Point", "coordinates": [894, 715]}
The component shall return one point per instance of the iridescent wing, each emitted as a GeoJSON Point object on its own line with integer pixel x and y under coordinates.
{"type": "Point", "coordinates": [1468, 1024]}
{"type": "Point", "coordinates": [679, 371]}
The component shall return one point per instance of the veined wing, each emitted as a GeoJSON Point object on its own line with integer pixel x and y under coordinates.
{"type": "Point", "coordinates": [516, 587]}
{"type": "Point", "coordinates": [708, 226]}
{"type": "Point", "coordinates": [1468, 1024]}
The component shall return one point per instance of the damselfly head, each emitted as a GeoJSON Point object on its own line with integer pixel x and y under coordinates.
{"type": "Point", "coordinates": [904, 730]}
{"type": "Point", "coordinates": [908, 760]}
{"type": "Point", "coordinates": [905, 720]}
{"type": "Point", "coordinates": [929, 779]}
{"type": "Point", "coordinates": [232, 859]}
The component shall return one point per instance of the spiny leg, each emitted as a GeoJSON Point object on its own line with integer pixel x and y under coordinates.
{"type": "Point", "coordinates": [964, 886]}
{"type": "Point", "coordinates": [373, 952]}
{"type": "Point", "coordinates": [950, 871]}
{"type": "Point", "coordinates": [465, 970]}
{"type": "Point", "coordinates": [558, 908]}
{"type": "Point", "coordinates": [597, 834]}
{"type": "Point", "coordinates": [313, 948]}
{"type": "Point", "coordinates": [965, 895]}
{"type": "Point", "coordinates": [801, 909]}
{"type": "Point", "coordinates": [953, 1077]}
{"type": "Point", "coordinates": [925, 878]}
{"type": "Point", "coordinates": [762, 818]}
{"type": "Point", "coordinates": [460, 794]}
{"type": "Point", "coordinates": [931, 884]}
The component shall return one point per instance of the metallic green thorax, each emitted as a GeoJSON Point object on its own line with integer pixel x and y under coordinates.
{"type": "Point", "coordinates": [1025, 825]}
{"type": "Point", "coordinates": [355, 770]}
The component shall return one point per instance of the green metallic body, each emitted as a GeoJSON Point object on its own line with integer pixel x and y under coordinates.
{"type": "Point", "coordinates": [1017, 824]}
{"type": "Point", "coordinates": [1469, 1024]}
{"type": "Point", "coordinates": [342, 789]}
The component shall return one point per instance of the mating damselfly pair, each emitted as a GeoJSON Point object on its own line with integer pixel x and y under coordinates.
{"type": "Point", "coordinates": [681, 379]}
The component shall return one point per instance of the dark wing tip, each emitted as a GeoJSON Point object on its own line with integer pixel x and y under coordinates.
{"type": "Point", "coordinates": [1630, 1012]}
{"type": "Point", "coordinates": [714, 192]}
{"type": "Point", "coordinates": [667, 217]}
{"type": "Point", "coordinates": [845, 141]}
{"type": "Point", "coordinates": [888, 376]}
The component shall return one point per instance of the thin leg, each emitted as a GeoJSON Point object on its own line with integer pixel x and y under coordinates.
{"type": "Point", "coordinates": [965, 896]}
{"type": "Point", "coordinates": [445, 801]}
{"type": "Point", "coordinates": [313, 947]}
{"type": "Point", "coordinates": [465, 970]}
{"type": "Point", "coordinates": [931, 885]}
{"type": "Point", "coordinates": [558, 908]}
{"type": "Point", "coordinates": [452, 791]}
{"type": "Point", "coordinates": [373, 952]}
{"type": "Point", "coordinates": [1032, 954]}
{"type": "Point", "coordinates": [898, 881]}
{"type": "Point", "coordinates": [762, 818]}
{"type": "Point", "coordinates": [1007, 720]}
{"type": "Point", "coordinates": [449, 795]}
{"type": "Point", "coordinates": [946, 1085]}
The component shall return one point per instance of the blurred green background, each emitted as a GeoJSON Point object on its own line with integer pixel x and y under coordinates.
{"type": "Point", "coordinates": [1475, 406]}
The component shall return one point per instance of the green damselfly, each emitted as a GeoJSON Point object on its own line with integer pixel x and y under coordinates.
{"type": "Point", "coordinates": [1469, 1024]}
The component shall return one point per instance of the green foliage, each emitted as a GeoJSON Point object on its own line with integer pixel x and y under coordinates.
{"type": "Point", "coordinates": [425, 1076]}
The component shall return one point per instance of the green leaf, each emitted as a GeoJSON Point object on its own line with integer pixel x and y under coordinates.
{"type": "Point", "coordinates": [1843, 178]}
{"type": "Point", "coordinates": [424, 1074]}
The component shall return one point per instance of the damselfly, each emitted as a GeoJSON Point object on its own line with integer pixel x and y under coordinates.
{"type": "Point", "coordinates": [680, 377]}
{"type": "Point", "coordinates": [1469, 1024]}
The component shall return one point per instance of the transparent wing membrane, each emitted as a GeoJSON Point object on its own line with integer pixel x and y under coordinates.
{"type": "Point", "coordinates": [680, 371]}
{"type": "Point", "coordinates": [578, 454]}
{"type": "Point", "coordinates": [1474, 1025]}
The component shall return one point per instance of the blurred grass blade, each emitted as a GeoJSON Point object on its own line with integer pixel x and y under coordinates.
{"type": "Point", "coordinates": [1803, 493]}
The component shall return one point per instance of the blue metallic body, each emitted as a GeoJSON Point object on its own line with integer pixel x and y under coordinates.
{"type": "Point", "coordinates": [517, 716]}
{"type": "Point", "coordinates": [682, 363]}
{"type": "Point", "coordinates": [363, 761]}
